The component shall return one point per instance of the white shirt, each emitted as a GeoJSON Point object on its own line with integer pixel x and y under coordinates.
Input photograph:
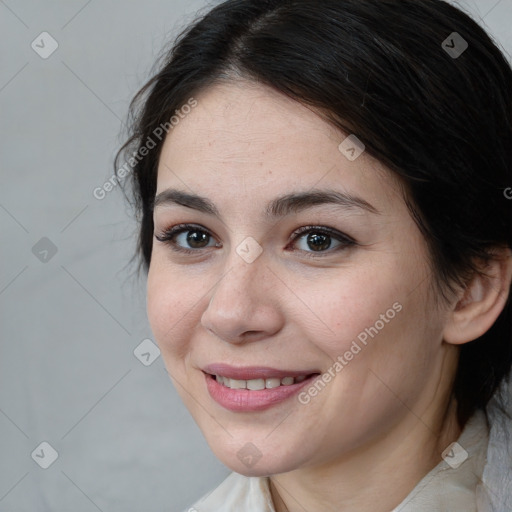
{"type": "Point", "coordinates": [449, 487]}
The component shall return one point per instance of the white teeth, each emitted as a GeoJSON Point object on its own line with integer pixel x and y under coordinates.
{"type": "Point", "coordinates": [272, 383]}
{"type": "Point", "coordinates": [237, 384]}
{"type": "Point", "coordinates": [258, 384]}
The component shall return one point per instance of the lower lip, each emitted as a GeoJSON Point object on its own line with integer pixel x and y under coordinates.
{"type": "Point", "coordinates": [245, 400]}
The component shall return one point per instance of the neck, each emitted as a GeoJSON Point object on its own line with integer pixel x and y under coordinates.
{"type": "Point", "coordinates": [372, 479]}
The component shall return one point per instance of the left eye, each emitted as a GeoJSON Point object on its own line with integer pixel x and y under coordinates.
{"type": "Point", "coordinates": [318, 239]}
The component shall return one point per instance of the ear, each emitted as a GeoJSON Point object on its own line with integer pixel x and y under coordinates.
{"type": "Point", "coordinates": [481, 302]}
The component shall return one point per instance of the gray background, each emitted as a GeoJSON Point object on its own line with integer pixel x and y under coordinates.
{"type": "Point", "coordinates": [70, 321]}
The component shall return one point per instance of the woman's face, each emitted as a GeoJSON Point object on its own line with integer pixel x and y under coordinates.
{"type": "Point", "coordinates": [345, 304]}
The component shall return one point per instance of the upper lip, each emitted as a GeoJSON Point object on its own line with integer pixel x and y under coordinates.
{"type": "Point", "coordinates": [253, 372]}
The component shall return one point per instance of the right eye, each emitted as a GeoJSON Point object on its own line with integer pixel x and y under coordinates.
{"type": "Point", "coordinates": [181, 235]}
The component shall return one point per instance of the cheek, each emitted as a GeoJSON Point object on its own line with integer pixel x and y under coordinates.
{"type": "Point", "coordinates": [387, 339]}
{"type": "Point", "coordinates": [350, 305]}
{"type": "Point", "coordinates": [170, 309]}
{"type": "Point", "coordinates": [379, 320]}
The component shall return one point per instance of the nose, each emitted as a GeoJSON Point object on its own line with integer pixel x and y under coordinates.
{"type": "Point", "coordinates": [243, 306]}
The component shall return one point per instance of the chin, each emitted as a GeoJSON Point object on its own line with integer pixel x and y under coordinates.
{"type": "Point", "coordinates": [248, 462]}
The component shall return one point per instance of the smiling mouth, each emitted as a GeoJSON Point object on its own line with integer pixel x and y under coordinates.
{"type": "Point", "coordinates": [260, 384]}
{"type": "Point", "coordinates": [254, 388]}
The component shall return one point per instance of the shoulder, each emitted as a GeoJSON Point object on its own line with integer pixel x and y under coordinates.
{"type": "Point", "coordinates": [497, 475]}
{"type": "Point", "coordinates": [236, 493]}
{"type": "Point", "coordinates": [456, 482]}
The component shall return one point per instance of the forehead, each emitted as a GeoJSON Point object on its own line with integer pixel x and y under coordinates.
{"type": "Point", "coordinates": [246, 136]}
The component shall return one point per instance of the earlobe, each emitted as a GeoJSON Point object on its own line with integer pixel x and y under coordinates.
{"type": "Point", "coordinates": [482, 301]}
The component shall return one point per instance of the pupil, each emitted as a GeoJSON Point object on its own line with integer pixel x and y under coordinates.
{"type": "Point", "coordinates": [319, 241]}
{"type": "Point", "coordinates": [195, 237]}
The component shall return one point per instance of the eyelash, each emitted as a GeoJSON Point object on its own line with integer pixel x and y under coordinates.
{"type": "Point", "coordinates": [168, 236]}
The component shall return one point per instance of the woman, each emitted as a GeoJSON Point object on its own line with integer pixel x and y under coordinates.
{"type": "Point", "coordinates": [322, 189]}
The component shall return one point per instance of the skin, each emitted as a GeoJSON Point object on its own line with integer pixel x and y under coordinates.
{"type": "Point", "coordinates": [382, 423]}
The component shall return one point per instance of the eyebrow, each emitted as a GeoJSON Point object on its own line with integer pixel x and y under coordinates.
{"type": "Point", "coordinates": [278, 207]}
